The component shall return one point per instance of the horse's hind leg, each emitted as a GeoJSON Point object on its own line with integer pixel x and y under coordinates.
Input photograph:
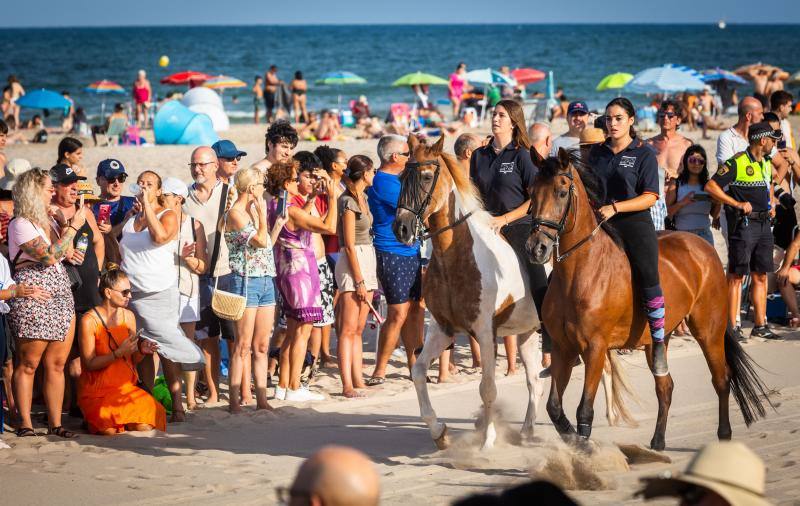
{"type": "Point", "coordinates": [710, 335]}
{"type": "Point", "coordinates": [664, 387]}
{"type": "Point", "coordinates": [531, 358]}
{"type": "Point", "coordinates": [435, 343]}
{"type": "Point", "coordinates": [560, 371]}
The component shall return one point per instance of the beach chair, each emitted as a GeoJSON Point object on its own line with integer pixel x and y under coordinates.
{"type": "Point", "coordinates": [131, 136]}
{"type": "Point", "coordinates": [115, 130]}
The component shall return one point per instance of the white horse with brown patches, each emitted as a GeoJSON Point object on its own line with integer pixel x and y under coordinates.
{"type": "Point", "coordinates": [474, 284]}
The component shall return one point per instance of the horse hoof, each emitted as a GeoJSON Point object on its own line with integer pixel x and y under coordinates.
{"type": "Point", "coordinates": [657, 444]}
{"type": "Point", "coordinates": [443, 441]}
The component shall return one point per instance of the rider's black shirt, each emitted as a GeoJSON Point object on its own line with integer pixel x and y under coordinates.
{"type": "Point", "coordinates": [627, 174]}
{"type": "Point", "coordinates": [503, 179]}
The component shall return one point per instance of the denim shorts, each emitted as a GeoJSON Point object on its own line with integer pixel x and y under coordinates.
{"type": "Point", "coordinates": [260, 290]}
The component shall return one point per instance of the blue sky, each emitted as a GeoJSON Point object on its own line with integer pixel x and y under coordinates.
{"type": "Point", "coordinates": [46, 13]}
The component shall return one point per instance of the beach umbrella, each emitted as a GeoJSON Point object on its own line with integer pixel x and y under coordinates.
{"type": "Point", "coordinates": [43, 99]}
{"type": "Point", "coordinates": [527, 75]}
{"type": "Point", "coordinates": [223, 82]}
{"type": "Point", "coordinates": [668, 78]}
{"type": "Point", "coordinates": [795, 79]}
{"type": "Point", "coordinates": [488, 77]}
{"type": "Point", "coordinates": [340, 78]}
{"type": "Point", "coordinates": [718, 75]}
{"type": "Point", "coordinates": [614, 81]}
{"type": "Point", "coordinates": [104, 88]}
{"type": "Point", "coordinates": [419, 78]}
{"type": "Point", "coordinates": [187, 77]}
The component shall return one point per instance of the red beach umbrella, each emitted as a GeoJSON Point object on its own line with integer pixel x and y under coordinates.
{"type": "Point", "coordinates": [527, 76]}
{"type": "Point", "coordinates": [187, 77]}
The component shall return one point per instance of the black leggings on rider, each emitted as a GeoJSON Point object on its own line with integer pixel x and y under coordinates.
{"type": "Point", "coordinates": [641, 245]}
{"type": "Point", "coordinates": [517, 235]}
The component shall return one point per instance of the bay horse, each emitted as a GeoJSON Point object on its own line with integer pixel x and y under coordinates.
{"type": "Point", "coordinates": [591, 305]}
{"type": "Point", "coordinates": [474, 283]}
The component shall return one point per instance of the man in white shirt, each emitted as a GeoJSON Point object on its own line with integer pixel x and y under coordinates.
{"type": "Point", "coordinates": [734, 139]}
{"type": "Point", "coordinates": [577, 119]}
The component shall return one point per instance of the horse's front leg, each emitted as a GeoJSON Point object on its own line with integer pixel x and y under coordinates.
{"type": "Point", "coordinates": [560, 371]}
{"type": "Point", "coordinates": [488, 388]}
{"type": "Point", "coordinates": [595, 359]}
{"type": "Point", "coordinates": [531, 358]}
{"type": "Point", "coordinates": [435, 343]}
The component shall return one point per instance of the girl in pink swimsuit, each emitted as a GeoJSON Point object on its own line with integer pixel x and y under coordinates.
{"type": "Point", "coordinates": [141, 96]}
{"type": "Point", "coordinates": [456, 87]}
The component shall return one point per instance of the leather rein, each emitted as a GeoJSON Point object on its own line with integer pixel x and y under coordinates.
{"type": "Point", "coordinates": [537, 223]}
{"type": "Point", "coordinates": [421, 231]}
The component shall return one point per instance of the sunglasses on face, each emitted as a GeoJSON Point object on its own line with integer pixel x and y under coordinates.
{"type": "Point", "coordinates": [125, 293]}
{"type": "Point", "coordinates": [669, 115]}
{"type": "Point", "coordinates": [117, 179]}
{"type": "Point", "coordinates": [696, 159]}
{"type": "Point", "coordinates": [238, 158]}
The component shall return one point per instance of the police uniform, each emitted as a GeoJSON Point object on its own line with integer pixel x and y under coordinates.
{"type": "Point", "coordinates": [750, 240]}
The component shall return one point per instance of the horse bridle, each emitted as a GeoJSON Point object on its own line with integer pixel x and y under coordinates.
{"type": "Point", "coordinates": [420, 231]}
{"type": "Point", "coordinates": [537, 223]}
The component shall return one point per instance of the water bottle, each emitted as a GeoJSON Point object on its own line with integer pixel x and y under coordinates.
{"type": "Point", "coordinates": [82, 245]}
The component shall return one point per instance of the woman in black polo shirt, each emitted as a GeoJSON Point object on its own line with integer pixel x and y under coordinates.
{"type": "Point", "coordinates": [503, 171]}
{"type": "Point", "coordinates": [629, 172]}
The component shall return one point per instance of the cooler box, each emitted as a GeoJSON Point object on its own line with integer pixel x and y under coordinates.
{"type": "Point", "coordinates": [776, 308]}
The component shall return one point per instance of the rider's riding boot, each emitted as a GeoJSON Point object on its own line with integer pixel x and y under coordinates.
{"type": "Point", "coordinates": [660, 367]}
{"type": "Point", "coordinates": [654, 310]}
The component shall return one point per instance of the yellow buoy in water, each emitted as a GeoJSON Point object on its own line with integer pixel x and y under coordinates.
{"type": "Point", "coordinates": [163, 61]}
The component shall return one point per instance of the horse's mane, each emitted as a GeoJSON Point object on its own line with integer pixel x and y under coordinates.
{"type": "Point", "coordinates": [469, 193]}
{"type": "Point", "coordinates": [595, 190]}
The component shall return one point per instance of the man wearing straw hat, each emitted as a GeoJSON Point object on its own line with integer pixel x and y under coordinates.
{"type": "Point", "coordinates": [723, 473]}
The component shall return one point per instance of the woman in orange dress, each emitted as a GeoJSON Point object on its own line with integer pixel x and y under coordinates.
{"type": "Point", "coordinates": [110, 349]}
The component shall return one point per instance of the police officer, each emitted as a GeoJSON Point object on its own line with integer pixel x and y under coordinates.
{"type": "Point", "coordinates": [749, 209]}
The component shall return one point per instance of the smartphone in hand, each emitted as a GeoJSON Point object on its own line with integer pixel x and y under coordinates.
{"type": "Point", "coordinates": [104, 213]}
{"type": "Point", "coordinates": [281, 207]}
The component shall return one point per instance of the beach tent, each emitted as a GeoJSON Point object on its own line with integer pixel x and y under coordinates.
{"type": "Point", "coordinates": [206, 101]}
{"type": "Point", "coordinates": [177, 124]}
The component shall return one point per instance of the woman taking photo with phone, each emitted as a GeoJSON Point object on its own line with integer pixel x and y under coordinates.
{"type": "Point", "coordinates": [297, 275]}
{"type": "Point", "coordinates": [689, 206]}
{"type": "Point", "coordinates": [148, 245]}
{"type": "Point", "coordinates": [355, 271]}
{"type": "Point", "coordinates": [110, 349]}
{"type": "Point", "coordinates": [250, 241]}
{"type": "Point", "coordinates": [628, 170]}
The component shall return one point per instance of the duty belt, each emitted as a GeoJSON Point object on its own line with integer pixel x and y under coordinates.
{"type": "Point", "coordinates": [759, 215]}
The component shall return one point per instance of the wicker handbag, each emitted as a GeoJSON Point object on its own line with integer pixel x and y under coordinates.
{"type": "Point", "coordinates": [227, 305]}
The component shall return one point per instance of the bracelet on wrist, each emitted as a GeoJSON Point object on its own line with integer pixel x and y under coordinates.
{"type": "Point", "coordinates": [614, 207]}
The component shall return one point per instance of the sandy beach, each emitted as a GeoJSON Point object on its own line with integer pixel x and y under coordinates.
{"type": "Point", "coordinates": [217, 458]}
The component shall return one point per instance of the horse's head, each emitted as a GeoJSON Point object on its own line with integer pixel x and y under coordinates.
{"type": "Point", "coordinates": [551, 202]}
{"type": "Point", "coordinates": [422, 192]}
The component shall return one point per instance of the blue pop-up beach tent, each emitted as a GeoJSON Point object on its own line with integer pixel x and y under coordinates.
{"type": "Point", "coordinates": [176, 124]}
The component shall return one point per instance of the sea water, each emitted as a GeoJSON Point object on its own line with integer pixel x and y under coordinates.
{"type": "Point", "coordinates": [579, 56]}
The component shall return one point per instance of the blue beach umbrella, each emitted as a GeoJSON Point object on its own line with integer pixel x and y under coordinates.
{"type": "Point", "coordinates": [488, 77]}
{"type": "Point", "coordinates": [668, 78]}
{"type": "Point", "coordinates": [717, 75]}
{"type": "Point", "coordinates": [43, 99]}
{"type": "Point", "coordinates": [339, 78]}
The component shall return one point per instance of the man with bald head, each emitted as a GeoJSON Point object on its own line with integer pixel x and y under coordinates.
{"type": "Point", "coordinates": [464, 146]}
{"type": "Point", "coordinates": [206, 203]}
{"type": "Point", "coordinates": [541, 139]}
{"type": "Point", "coordinates": [335, 476]}
{"type": "Point", "coordinates": [734, 139]}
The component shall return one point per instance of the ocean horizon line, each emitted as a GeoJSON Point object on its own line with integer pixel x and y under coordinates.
{"type": "Point", "coordinates": [729, 24]}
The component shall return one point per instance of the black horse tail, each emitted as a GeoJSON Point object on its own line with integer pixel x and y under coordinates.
{"type": "Point", "coordinates": [747, 388]}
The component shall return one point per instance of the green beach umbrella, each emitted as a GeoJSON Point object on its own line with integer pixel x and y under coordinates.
{"type": "Point", "coordinates": [419, 78]}
{"type": "Point", "coordinates": [614, 81]}
{"type": "Point", "coordinates": [339, 78]}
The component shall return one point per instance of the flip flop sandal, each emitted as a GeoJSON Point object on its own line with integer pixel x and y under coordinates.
{"type": "Point", "coordinates": [61, 432]}
{"type": "Point", "coordinates": [373, 382]}
{"type": "Point", "coordinates": [26, 432]}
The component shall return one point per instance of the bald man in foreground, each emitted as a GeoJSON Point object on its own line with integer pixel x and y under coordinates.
{"type": "Point", "coordinates": [336, 476]}
{"type": "Point", "coordinates": [541, 138]}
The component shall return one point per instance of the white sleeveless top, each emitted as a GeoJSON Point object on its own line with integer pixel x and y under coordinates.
{"type": "Point", "coordinates": [150, 268]}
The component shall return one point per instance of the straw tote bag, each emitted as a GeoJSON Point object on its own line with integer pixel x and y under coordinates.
{"type": "Point", "coordinates": [227, 305]}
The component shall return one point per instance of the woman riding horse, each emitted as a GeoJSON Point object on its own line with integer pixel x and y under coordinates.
{"type": "Point", "coordinates": [629, 171]}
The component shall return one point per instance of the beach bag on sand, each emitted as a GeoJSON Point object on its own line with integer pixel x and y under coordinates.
{"type": "Point", "coordinates": [227, 305]}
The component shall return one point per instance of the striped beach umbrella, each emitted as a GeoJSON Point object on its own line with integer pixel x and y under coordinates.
{"type": "Point", "coordinates": [669, 78]}
{"type": "Point", "coordinates": [717, 75]}
{"type": "Point", "coordinates": [105, 87]}
{"type": "Point", "coordinates": [223, 83]}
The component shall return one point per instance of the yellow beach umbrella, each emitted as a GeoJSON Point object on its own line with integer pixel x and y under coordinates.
{"type": "Point", "coordinates": [614, 81]}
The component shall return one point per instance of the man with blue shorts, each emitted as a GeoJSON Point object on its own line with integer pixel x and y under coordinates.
{"type": "Point", "coordinates": [399, 266]}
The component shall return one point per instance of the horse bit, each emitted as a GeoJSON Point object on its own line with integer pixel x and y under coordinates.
{"type": "Point", "coordinates": [537, 223]}
{"type": "Point", "coordinates": [420, 230]}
